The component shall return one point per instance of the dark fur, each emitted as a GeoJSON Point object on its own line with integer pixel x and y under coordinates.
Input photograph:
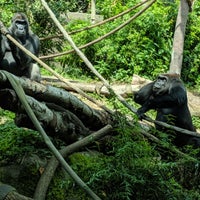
{"type": "Point", "coordinates": [170, 104]}
{"type": "Point", "coordinates": [14, 60]}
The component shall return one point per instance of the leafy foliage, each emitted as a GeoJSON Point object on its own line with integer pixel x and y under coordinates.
{"type": "Point", "coordinates": [133, 167]}
{"type": "Point", "coordinates": [134, 49]}
{"type": "Point", "coordinates": [191, 63]}
{"type": "Point", "coordinates": [143, 47]}
{"type": "Point", "coordinates": [15, 142]}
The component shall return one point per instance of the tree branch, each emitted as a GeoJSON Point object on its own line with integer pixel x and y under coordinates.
{"type": "Point", "coordinates": [48, 174]}
{"type": "Point", "coordinates": [99, 23]}
{"type": "Point", "coordinates": [20, 93]}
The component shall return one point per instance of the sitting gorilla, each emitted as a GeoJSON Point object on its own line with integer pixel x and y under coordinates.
{"type": "Point", "coordinates": [14, 60]}
{"type": "Point", "coordinates": [2, 48]}
{"type": "Point", "coordinates": [167, 95]}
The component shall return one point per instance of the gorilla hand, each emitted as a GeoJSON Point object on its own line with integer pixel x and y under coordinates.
{"type": "Point", "coordinates": [141, 113]}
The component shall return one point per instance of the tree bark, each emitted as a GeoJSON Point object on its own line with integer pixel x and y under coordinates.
{"type": "Point", "coordinates": [58, 100]}
{"type": "Point", "coordinates": [53, 163]}
{"type": "Point", "coordinates": [179, 35]}
{"type": "Point", "coordinates": [8, 192]}
{"type": "Point", "coordinates": [61, 123]}
{"type": "Point", "coordinates": [60, 113]}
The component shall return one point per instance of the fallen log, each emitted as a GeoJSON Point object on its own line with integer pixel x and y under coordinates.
{"type": "Point", "coordinates": [60, 113]}
{"type": "Point", "coordinates": [55, 99]}
{"type": "Point", "coordinates": [56, 121]}
{"type": "Point", "coordinates": [125, 90]}
{"type": "Point", "coordinates": [94, 87]}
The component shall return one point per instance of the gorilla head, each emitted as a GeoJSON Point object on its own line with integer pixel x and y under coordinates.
{"type": "Point", "coordinates": [20, 26]}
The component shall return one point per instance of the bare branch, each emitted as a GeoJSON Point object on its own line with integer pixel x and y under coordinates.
{"type": "Point", "coordinates": [100, 38]}
{"type": "Point", "coordinates": [99, 23]}
{"type": "Point", "coordinates": [48, 174]}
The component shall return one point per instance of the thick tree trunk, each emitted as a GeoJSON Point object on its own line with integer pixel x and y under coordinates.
{"type": "Point", "coordinates": [59, 97]}
{"type": "Point", "coordinates": [179, 35]}
{"type": "Point", "coordinates": [55, 121]}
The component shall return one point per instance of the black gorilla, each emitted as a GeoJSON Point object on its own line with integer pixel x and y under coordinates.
{"type": "Point", "coordinates": [2, 48]}
{"type": "Point", "coordinates": [167, 95]}
{"type": "Point", "coordinates": [14, 60]}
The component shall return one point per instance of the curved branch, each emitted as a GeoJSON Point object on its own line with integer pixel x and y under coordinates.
{"type": "Point", "coordinates": [20, 92]}
{"type": "Point", "coordinates": [48, 174]}
{"type": "Point", "coordinates": [97, 24]}
{"type": "Point", "coordinates": [100, 38]}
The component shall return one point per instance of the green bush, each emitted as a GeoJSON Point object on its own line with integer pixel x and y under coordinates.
{"type": "Point", "coordinates": [133, 169]}
{"type": "Point", "coordinates": [15, 142]}
{"type": "Point", "coordinates": [142, 47]}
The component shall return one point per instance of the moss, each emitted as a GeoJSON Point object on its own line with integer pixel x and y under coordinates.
{"type": "Point", "coordinates": [85, 164]}
{"type": "Point", "coordinates": [63, 187]}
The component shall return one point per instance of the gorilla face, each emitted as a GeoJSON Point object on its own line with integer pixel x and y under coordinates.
{"type": "Point", "coordinates": [161, 85]}
{"type": "Point", "coordinates": [20, 28]}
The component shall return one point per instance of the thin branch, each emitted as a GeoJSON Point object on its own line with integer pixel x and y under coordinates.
{"type": "Point", "coordinates": [20, 92]}
{"type": "Point", "coordinates": [105, 82]}
{"type": "Point", "coordinates": [100, 38]}
{"type": "Point", "coordinates": [99, 23]}
{"type": "Point", "coordinates": [48, 174]}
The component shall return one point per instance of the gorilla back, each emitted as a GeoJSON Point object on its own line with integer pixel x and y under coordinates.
{"type": "Point", "coordinates": [167, 95]}
{"type": "Point", "coordinates": [12, 58]}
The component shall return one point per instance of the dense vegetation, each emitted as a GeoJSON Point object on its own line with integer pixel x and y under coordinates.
{"type": "Point", "coordinates": [129, 166]}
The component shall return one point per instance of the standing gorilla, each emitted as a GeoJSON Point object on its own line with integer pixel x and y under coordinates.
{"type": "Point", "coordinates": [14, 60]}
{"type": "Point", "coordinates": [167, 95]}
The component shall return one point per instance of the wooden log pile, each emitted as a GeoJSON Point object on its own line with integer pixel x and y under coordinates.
{"type": "Point", "coordinates": [59, 112]}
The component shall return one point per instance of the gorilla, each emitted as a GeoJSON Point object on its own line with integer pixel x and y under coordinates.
{"type": "Point", "coordinates": [14, 60]}
{"type": "Point", "coordinates": [167, 95]}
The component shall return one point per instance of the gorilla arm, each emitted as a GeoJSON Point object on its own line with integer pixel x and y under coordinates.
{"type": "Point", "coordinates": [144, 93]}
{"type": "Point", "coordinates": [175, 97]}
{"type": "Point", "coordinates": [32, 43]}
